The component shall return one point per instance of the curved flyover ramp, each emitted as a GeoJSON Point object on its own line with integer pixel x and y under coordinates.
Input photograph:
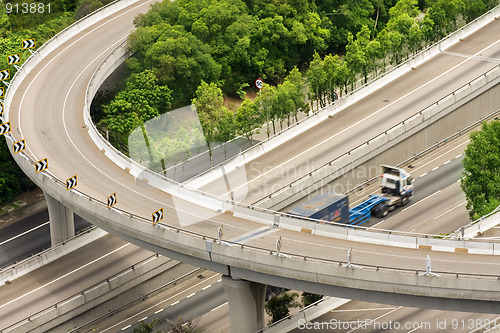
{"type": "Point", "coordinates": [46, 107]}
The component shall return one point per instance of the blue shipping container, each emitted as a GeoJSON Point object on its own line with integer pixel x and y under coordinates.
{"type": "Point", "coordinates": [330, 207]}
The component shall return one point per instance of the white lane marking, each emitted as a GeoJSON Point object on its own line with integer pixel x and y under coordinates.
{"type": "Point", "coordinates": [143, 319]}
{"type": "Point", "coordinates": [202, 218]}
{"type": "Point", "coordinates": [446, 162]}
{"type": "Point", "coordinates": [448, 151]}
{"type": "Point", "coordinates": [220, 306]}
{"type": "Point", "coordinates": [174, 303]}
{"type": "Point", "coordinates": [24, 233]}
{"type": "Point", "coordinates": [60, 54]}
{"type": "Point", "coordinates": [123, 329]}
{"type": "Point", "coordinates": [159, 311]}
{"type": "Point", "coordinates": [416, 203]}
{"type": "Point", "coordinates": [72, 142]}
{"type": "Point", "coordinates": [376, 224]}
{"type": "Point", "coordinates": [434, 169]}
{"type": "Point", "coordinates": [449, 210]}
{"type": "Point", "coordinates": [206, 287]}
{"type": "Point", "coordinates": [363, 310]}
{"type": "Point", "coordinates": [190, 295]}
{"type": "Point", "coordinates": [423, 165]}
{"type": "Point", "coordinates": [379, 317]}
{"type": "Point", "coordinates": [364, 119]}
{"type": "Point", "coordinates": [458, 156]}
{"type": "Point", "coordinates": [64, 276]}
{"type": "Point", "coordinates": [467, 55]}
{"type": "Point", "coordinates": [160, 303]}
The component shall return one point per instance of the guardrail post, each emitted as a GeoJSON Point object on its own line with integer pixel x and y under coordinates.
{"type": "Point", "coordinates": [62, 226]}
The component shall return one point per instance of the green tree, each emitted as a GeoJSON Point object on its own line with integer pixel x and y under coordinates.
{"type": "Point", "coordinates": [310, 298]}
{"type": "Point", "coordinates": [144, 327]}
{"type": "Point", "coordinates": [209, 104]}
{"type": "Point", "coordinates": [481, 181]}
{"type": "Point", "coordinates": [178, 59]}
{"type": "Point", "coordinates": [278, 306]}
{"type": "Point", "coordinates": [247, 119]}
{"type": "Point", "coordinates": [143, 99]}
{"type": "Point", "coordinates": [226, 127]}
{"type": "Point", "coordinates": [266, 106]}
{"type": "Point", "coordinates": [296, 91]}
{"type": "Point", "coordinates": [445, 13]}
{"type": "Point", "coordinates": [356, 52]}
{"type": "Point", "coordinates": [317, 81]}
{"type": "Point", "coordinates": [474, 9]}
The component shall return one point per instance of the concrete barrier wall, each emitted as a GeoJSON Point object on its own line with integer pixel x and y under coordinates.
{"type": "Point", "coordinates": [92, 297]}
{"type": "Point", "coordinates": [260, 265]}
{"type": "Point", "coordinates": [202, 250]}
{"type": "Point", "coordinates": [261, 216]}
{"type": "Point", "coordinates": [353, 97]}
{"type": "Point", "coordinates": [337, 167]}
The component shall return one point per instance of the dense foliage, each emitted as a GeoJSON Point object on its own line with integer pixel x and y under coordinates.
{"type": "Point", "coordinates": [310, 298]}
{"type": "Point", "coordinates": [178, 326]}
{"type": "Point", "coordinates": [12, 179]}
{"type": "Point", "coordinates": [207, 50]}
{"type": "Point", "coordinates": [278, 306]}
{"type": "Point", "coordinates": [481, 181]}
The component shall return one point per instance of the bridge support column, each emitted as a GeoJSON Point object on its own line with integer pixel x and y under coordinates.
{"type": "Point", "coordinates": [246, 304]}
{"type": "Point", "coordinates": [62, 225]}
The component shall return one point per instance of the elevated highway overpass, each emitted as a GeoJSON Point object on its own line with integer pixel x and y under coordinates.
{"type": "Point", "coordinates": [45, 107]}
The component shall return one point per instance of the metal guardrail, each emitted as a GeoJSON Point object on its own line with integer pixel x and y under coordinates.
{"type": "Point", "coordinates": [291, 255]}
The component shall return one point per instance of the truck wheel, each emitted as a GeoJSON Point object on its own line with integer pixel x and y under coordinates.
{"type": "Point", "coordinates": [381, 210]}
{"type": "Point", "coordinates": [385, 210]}
{"type": "Point", "coordinates": [404, 200]}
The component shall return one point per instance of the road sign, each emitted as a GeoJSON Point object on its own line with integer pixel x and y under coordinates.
{"type": "Point", "coordinates": [112, 200]}
{"type": "Point", "coordinates": [5, 128]}
{"type": "Point", "coordinates": [259, 83]}
{"type": "Point", "coordinates": [19, 146]}
{"type": "Point", "coordinates": [29, 43]}
{"type": "Point", "coordinates": [158, 216]}
{"type": "Point", "coordinates": [71, 182]}
{"type": "Point", "coordinates": [14, 59]}
{"type": "Point", "coordinates": [41, 165]}
{"type": "Point", "coordinates": [2, 92]}
{"type": "Point", "coordinates": [5, 75]}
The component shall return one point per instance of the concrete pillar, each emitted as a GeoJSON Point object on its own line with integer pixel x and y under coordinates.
{"type": "Point", "coordinates": [246, 304]}
{"type": "Point", "coordinates": [62, 225]}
